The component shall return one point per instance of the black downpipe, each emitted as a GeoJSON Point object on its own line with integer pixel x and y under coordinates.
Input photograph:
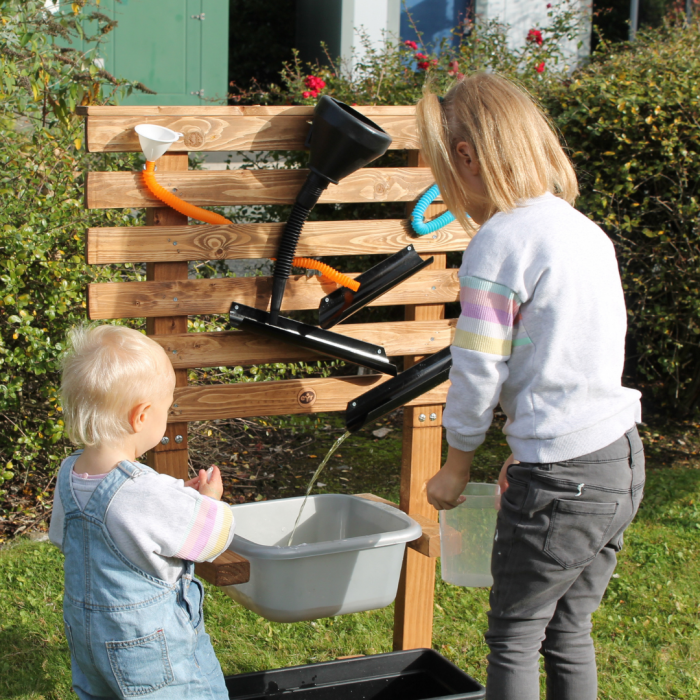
{"type": "Point", "coordinates": [306, 200]}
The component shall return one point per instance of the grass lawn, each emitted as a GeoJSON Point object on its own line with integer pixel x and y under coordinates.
{"type": "Point", "coordinates": [647, 630]}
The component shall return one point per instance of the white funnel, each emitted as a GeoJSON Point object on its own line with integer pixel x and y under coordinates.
{"type": "Point", "coordinates": [155, 140]}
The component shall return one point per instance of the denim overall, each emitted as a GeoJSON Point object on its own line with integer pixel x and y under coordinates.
{"type": "Point", "coordinates": [130, 634]}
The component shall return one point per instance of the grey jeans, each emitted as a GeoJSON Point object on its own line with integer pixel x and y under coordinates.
{"type": "Point", "coordinates": [558, 531]}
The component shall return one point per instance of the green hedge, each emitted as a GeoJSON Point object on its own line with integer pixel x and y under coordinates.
{"type": "Point", "coordinates": [632, 121]}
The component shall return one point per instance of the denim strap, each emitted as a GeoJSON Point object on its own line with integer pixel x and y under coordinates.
{"type": "Point", "coordinates": [70, 505]}
{"type": "Point", "coordinates": [100, 500]}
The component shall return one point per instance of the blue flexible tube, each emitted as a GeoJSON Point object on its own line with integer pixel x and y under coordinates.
{"type": "Point", "coordinates": [420, 226]}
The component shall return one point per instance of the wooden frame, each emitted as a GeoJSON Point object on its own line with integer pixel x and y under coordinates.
{"type": "Point", "coordinates": [167, 243]}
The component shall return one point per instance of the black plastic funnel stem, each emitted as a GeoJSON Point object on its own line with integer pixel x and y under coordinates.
{"type": "Point", "coordinates": [305, 202]}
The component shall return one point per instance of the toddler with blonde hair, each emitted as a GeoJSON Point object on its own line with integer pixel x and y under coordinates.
{"type": "Point", "coordinates": [542, 332]}
{"type": "Point", "coordinates": [132, 607]}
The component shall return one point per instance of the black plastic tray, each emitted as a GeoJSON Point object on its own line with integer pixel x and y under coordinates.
{"type": "Point", "coordinates": [417, 674]}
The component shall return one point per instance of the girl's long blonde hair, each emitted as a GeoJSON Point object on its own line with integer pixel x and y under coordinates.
{"type": "Point", "coordinates": [517, 148]}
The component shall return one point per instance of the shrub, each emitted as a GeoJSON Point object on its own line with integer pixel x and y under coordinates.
{"type": "Point", "coordinates": [632, 121]}
{"type": "Point", "coordinates": [42, 221]}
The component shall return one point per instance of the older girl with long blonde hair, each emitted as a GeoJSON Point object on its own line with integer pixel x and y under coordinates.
{"type": "Point", "coordinates": [542, 332]}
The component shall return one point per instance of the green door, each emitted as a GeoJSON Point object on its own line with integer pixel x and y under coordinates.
{"type": "Point", "coordinates": [179, 48]}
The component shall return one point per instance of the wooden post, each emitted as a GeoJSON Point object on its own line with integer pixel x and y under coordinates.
{"type": "Point", "coordinates": [171, 457]}
{"type": "Point", "coordinates": [421, 459]}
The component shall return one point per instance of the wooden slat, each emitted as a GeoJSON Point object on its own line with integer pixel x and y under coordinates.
{"type": "Point", "coordinates": [111, 300]}
{"type": "Point", "coordinates": [232, 110]}
{"type": "Point", "coordinates": [229, 132]}
{"type": "Point", "coordinates": [207, 188]}
{"type": "Point", "coordinates": [428, 544]}
{"type": "Point", "coordinates": [237, 241]}
{"type": "Point", "coordinates": [228, 569]}
{"type": "Point", "coordinates": [279, 397]}
{"type": "Point", "coordinates": [233, 348]}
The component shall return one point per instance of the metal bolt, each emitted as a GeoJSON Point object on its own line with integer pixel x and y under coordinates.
{"type": "Point", "coordinates": [354, 403]}
{"type": "Point", "coordinates": [431, 340]}
{"type": "Point", "coordinates": [434, 288]}
{"type": "Point", "coordinates": [433, 416]}
{"type": "Point", "coordinates": [421, 417]}
{"type": "Point", "coordinates": [435, 235]}
{"type": "Point", "coordinates": [236, 307]}
{"type": "Point", "coordinates": [174, 405]}
{"type": "Point", "coordinates": [174, 352]}
{"type": "Point", "coordinates": [409, 248]}
{"type": "Point", "coordinates": [175, 298]}
{"type": "Point", "coordinates": [326, 299]}
{"type": "Point", "coordinates": [379, 351]}
{"type": "Point", "coordinates": [174, 242]}
{"type": "Point", "coordinates": [179, 439]}
{"type": "Point", "coordinates": [164, 440]}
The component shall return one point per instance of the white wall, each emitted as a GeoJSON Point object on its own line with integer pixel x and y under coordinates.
{"type": "Point", "coordinates": [378, 18]}
{"type": "Point", "coordinates": [523, 15]}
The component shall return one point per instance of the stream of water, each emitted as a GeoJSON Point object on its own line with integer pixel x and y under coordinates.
{"type": "Point", "coordinates": [317, 473]}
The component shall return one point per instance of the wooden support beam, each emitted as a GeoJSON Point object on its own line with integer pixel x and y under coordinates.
{"type": "Point", "coordinates": [170, 456]}
{"type": "Point", "coordinates": [242, 348]}
{"type": "Point", "coordinates": [277, 398]}
{"type": "Point", "coordinates": [421, 459]}
{"type": "Point", "coordinates": [229, 132]}
{"type": "Point", "coordinates": [111, 300]}
{"type": "Point", "coordinates": [374, 111]}
{"type": "Point", "coordinates": [216, 188]}
{"type": "Point", "coordinates": [121, 244]}
{"type": "Point", "coordinates": [228, 569]}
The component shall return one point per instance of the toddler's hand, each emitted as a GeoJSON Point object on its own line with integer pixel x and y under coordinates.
{"type": "Point", "coordinates": [210, 483]}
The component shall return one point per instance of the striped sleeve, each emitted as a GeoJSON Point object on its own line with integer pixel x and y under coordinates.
{"type": "Point", "coordinates": [490, 318]}
{"type": "Point", "coordinates": [208, 531]}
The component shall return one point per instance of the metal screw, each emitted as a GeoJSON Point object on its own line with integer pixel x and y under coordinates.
{"type": "Point", "coordinates": [409, 248]}
{"type": "Point", "coordinates": [433, 416]}
{"type": "Point", "coordinates": [354, 403]}
{"type": "Point", "coordinates": [421, 417]}
{"type": "Point", "coordinates": [174, 352]}
{"type": "Point", "coordinates": [236, 307]}
{"type": "Point", "coordinates": [174, 242]}
{"type": "Point", "coordinates": [326, 299]}
{"type": "Point", "coordinates": [434, 288]}
{"type": "Point", "coordinates": [179, 439]}
{"type": "Point", "coordinates": [431, 340]}
{"type": "Point", "coordinates": [379, 351]}
{"type": "Point", "coordinates": [435, 235]}
{"type": "Point", "coordinates": [175, 298]}
{"type": "Point", "coordinates": [174, 405]}
{"type": "Point", "coordinates": [164, 440]}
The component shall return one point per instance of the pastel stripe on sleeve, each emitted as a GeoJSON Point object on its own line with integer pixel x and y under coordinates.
{"type": "Point", "coordinates": [488, 314]}
{"type": "Point", "coordinates": [218, 544]}
{"type": "Point", "coordinates": [201, 530]}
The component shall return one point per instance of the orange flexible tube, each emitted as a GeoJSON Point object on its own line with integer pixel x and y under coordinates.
{"type": "Point", "coordinates": [326, 271]}
{"type": "Point", "coordinates": [176, 203]}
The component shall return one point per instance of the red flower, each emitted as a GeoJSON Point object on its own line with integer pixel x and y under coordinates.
{"type": "Point", "coordinates": [421, 56]}
{"type": "Point", "coordinates": [549, 5]}
{"type": "Point", "coordinates": [540, 67]}
{"type": "Point", "coordinates": [534, 36]}
{"type": "Point", "coordinates": [452, 67]}
{"type": "Point", "coordinates": [314, 83]}
{"type": "Point", "coordinates": [411, 44]}
{"type": "Point", "coordinates": [424, 65]}
{"type": "Point", "coordinates": [306, 95]}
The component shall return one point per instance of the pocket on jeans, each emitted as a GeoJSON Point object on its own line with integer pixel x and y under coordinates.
{"type": "Point", "coordinates": [142, 665]}
{"type": "Point", "coordinates": [577, 531]}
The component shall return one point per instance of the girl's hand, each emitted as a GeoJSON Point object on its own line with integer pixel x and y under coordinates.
{"type": "Point", "coordinates": [503, 480]}
{"type": "Point", "coordinates": [194, 483]}
{"type": "Point", "coordinates": [210, 483]}
{"type": "Point", "coordinates": [444, 490]}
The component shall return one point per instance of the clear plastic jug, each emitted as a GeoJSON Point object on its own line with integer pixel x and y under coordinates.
{"type": "Point", "coordinates": [466, 537]}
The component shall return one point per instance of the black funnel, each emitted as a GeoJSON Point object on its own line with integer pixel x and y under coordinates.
{"type": "Point", "coordinates": [378, 280]}
{"type": "Point", "coordinates": [286, 330]}
{"type": "Point", "coordinates": [341, 141]}
{"type": "Point", "coordinates": [405, 387]}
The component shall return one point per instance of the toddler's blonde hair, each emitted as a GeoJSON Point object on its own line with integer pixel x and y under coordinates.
{"type": "Point", "coordinates": [517, 148]}
{"type": "Point", "coordinates": [107, 370]}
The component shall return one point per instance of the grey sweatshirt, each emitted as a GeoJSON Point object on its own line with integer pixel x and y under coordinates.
{"type": "Point", "coordinates": [542, 331]}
